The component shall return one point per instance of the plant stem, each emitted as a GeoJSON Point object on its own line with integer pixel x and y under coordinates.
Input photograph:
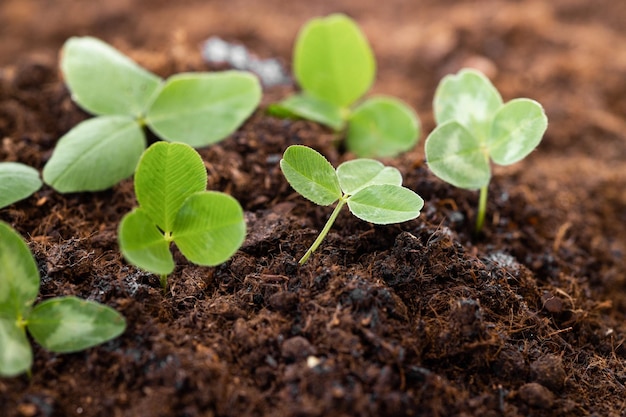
{"type": "Point", "coordinates": [163, 281]}
{"type": "Point", "coordinates": [482, 208]}
{"type": "Point", "coordinates": [324, 231]}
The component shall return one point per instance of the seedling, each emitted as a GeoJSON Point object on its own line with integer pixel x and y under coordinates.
{"type": "Point", "coordinates": [195, 108]}
{"type": "Point", "coordinates": [170, 184]}
{"type": "Point", "coordinates": [372, 191]}
{"type": "Point", "coordinates": [334, 65]}
{"type": "Point", "coordinates": [474, 127]}
{"type": "Point", "coordinates": [61, 325]}
{"type": "Point", "coordinates": [17, 181]}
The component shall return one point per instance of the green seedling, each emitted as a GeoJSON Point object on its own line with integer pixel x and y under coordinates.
{"type": "Point", "coordinates": [170, 184]}
{"type": "Point", "coordinates": [474, 126]}
{"type": "Point", "coordinates": [61, 325]}
{"type": "Point", "coordinates": [195, 108]}
{"type": "Point", "coordinates": [372, 191]}
{"type": "Point", "coordinates": [17, 181]}
{"type": "Point", "coordinates": [334, 65]}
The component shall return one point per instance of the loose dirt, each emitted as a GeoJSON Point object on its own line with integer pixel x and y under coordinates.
{"type": "Point", "coordinates": [420, 318]}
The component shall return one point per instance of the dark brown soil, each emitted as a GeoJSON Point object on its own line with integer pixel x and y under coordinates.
{"type": "Point", "coordinates": [412, 319]}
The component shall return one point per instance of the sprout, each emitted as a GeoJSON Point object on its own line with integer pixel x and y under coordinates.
{"type": "Point", "coordinates": [372, 191]}
{"type": "Point", "coordinates": [475, 127]}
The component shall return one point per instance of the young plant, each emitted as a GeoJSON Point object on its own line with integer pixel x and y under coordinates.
{"type": "Point", "coordinates": [334, 65]}
{"type": "Point", "coordinates": [17, 181]}
{"type": "Point", "coordinates": [372, 191]}
{"type": "Point", "coordinates": [61, 325]}
{"type": "Point", "coordinates": [474, 126]}
{"type": "Point", "coordinates": [170, 184]}
{"type": "Point", "coordinates": [195, 108]}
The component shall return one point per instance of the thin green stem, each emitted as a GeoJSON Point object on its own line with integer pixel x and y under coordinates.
{"type": "Point", "coordinates": [482, 208]}
{"type": "Point", "coordinates": [163, 281]}
{"type": "Point", "coordinates": [324, 231]}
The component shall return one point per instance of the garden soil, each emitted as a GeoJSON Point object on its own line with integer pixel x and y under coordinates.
{"type": "Point", "coordinates": [416, 319]}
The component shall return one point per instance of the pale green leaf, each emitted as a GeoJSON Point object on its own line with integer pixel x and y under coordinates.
{"type": "Point", "coordinates": [16, 356]}
{"type": "Point", "coordinates": [201, 109]}
{"type": "Point", "coordinates": [468, 98]}
{"type": "Point", "coordinates": [95, 155]}
{"type": "Point", "coordinates": [17, 181]}
{"type": "Point", "coordinates": [311, 108]}
{"type": "Point", "coordinates": [359, 173]}
{"type": "Point", "coordinates": [103, 81]}
{"type": "Point", "coordinates": [69, 324]}
{"type": "Point", "coordinates": [385, 204]}
{"type": "Point", "coordinates": [382, 127]}
{"type": "Point", "coordinates": [209, 228]}
{"type": "Point", "coordinates": [19, 276]}
{"type": "Point", "coordinates": [143, 244]}
{"type": "Point", "coordinates": [457, 157]}
{"type": "Point", "coordinates": [311, 175]}
{"type": "Point", "coordinates": [517, 129]}
{"type": "Point", "coordinates": [333, 60]}
{"type": "Point", "coordinates": [167, 174]}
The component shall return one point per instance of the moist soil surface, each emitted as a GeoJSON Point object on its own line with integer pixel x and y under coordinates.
{"type": "Point", "coordinates": [418, 318]}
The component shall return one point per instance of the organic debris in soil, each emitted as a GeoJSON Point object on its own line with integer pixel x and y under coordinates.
{"type": "Point", "coordinates": [419, 318]}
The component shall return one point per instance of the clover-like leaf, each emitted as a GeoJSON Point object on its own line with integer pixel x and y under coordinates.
{"type": "Point", "coordinates": [143, 244]}
{"type": "Point", "coordinates": [371, 190]}
{"type": "Point", "coordinates": [167, 174]}
{"type": "Point", "coordinates": [382, 127]}
{"type": "Point", "coordinates": [103, 81]}
{"type": "Point", "coordinates": [468, 98]}
{"type": "Point", "coordinates": [209, 228]}
{"type": "Point", "coordinates": [311, 108]}
{"type": "Point", "coordinates": [517, 129]}
{"type": "Point", "coordinates": [201, 109]}
{"type": "Point", "coordinates": [474, 127]}
{"type": "Point", "coordinates": [70, 324]}
{"type": "Point", "coordinates": [60, 324]}
{"type": "Point", "coordinates": [385, 204]}
{"type": "Point", "coordinates": [359, 173]}
{"type": "Point", "coordinates": [19, 275]}
{"type": "Point", "coordinates": [17, 181]}
{"type": "Point", "coordinates": [333, 60]}
{"type": "Point", "coordinates": [457, 157]}
{"type": "Point", "coordinates": [95, 155]}
{"type": "Point", "coordinates": [16, 356]}
{"type": "Point", "coordinates": [310, 174]}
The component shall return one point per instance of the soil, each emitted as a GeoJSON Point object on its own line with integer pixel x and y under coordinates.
{"type": "Point", "coordinates": [420, 318]}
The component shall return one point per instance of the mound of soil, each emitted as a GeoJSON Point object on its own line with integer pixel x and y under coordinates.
{"type": "Point", "coordinates": [419, 318]}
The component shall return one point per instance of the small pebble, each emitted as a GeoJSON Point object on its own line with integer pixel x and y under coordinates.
{"type": "Point", "coordinates": [536, 395]}
{"type": "Point", "coordinates": [297, 348]}
{"type": "Point", "coordinates": [548, 371]}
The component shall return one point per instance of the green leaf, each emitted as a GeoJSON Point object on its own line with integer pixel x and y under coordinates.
{"type": "Point", "coordinates": [311, 108]}
{"type": "Point", "coordinates": [167, 174]}
{"type": "Point", "coordinates": [360, 173]}
{"type": "Point", "coordinates": [19, 276]}
{"type": "Point", "coordinates": [382, 127]}
{"type": "Point", "coordinates": [143, 245]}
{"type": "Point", "coordinates": [470, 99]}
{"type": "Point", "coordinates": [17, 181]}
{"type": "Point", "coordinates": [385, 204]}
{"type": "Point", "coordinates": [333, 60]}
{"type": "Point", "coordinates": [201, 109]}
{"type": "Point", "coordinates": [311, 175]}
{"type": "Point", "coordinates": [209, 228]}
{"type": "Point", "coordinates": [16, 356]}
{"type": "Point", "coordinates": [95, 155]}
{"type": "Point", "coordinates": [457, 157]}
{"type": "Point", "coordinates": [69, 324]}
{"type": "Point", "coordinates": [517, 129]}
{"type": "Point", "coordinates": [103, 81]}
